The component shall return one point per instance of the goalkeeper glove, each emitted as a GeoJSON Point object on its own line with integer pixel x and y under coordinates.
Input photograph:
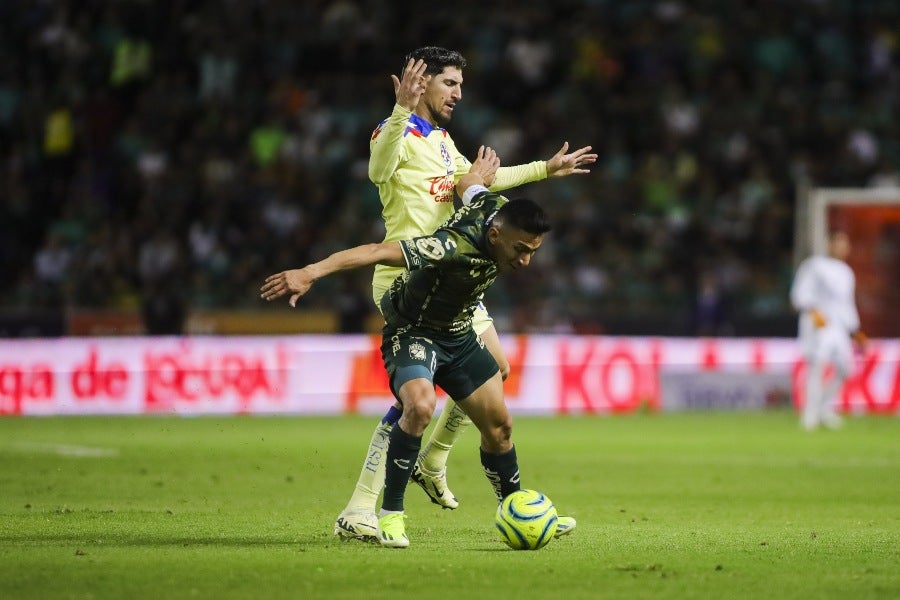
{"type": "Point", "coordinates": [818, 318]}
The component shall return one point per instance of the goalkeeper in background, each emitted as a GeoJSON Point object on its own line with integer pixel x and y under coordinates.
{"type": "Point", "coordinates": [416, 165]}
{"type": "Point", "coordinates": [823, 292]}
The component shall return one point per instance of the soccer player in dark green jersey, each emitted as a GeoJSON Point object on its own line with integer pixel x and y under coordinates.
{"type": "Point", "coordinates": [428, 337]}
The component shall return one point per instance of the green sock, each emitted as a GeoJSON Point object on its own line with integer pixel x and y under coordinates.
{"type": "Point", "coordinates": [401, 456]}
{"type": "Point", "coordinates": [502, 470]}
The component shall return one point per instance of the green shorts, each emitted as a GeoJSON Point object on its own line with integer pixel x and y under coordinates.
{"type": "Point", "coordinates": [459, 364]}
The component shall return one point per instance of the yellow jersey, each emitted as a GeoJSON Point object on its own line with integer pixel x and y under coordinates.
{"type": "Point", "coordinates": [415, 166]}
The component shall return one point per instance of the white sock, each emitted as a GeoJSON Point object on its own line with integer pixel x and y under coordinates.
{"type": "Point", "coordinates": [812, 407]}
{"type": "Point", "coordinates": [450, 425]}
{"type": "Point", "coordinates": [371, 477]}
{"type": "Point", "coordinates": [828, 410]}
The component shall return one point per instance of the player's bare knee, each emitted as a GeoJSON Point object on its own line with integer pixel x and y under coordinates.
{"type": "Point", "coordinates": [418, 415]}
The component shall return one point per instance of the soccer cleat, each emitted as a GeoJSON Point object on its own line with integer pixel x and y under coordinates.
{"type": "Point", "coordinates": [564, 525]}
{"type": "Point", "coordinates": [357, 525]}
{"type": "Point", "coordinates": [392, 531]}
{"type": "Point", "coordinates": [832, 420]}
{"type": "Point", "coordinates": [435, 485]}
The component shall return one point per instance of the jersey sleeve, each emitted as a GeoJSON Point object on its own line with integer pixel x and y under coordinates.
{"type": "Point", "coordinates": [803, 293]}
{"type": "Point", "coordinates": [386, 146]}
{"type": "Point", "coordinates": [507, 177]}
{"type": "Point", "coordinates": [510, 177]}
{"type": "Point", "coordinates": [437, 248]}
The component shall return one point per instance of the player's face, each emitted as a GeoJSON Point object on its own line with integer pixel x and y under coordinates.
{"type": "Point", "coordinates": [512, 247]}
{"type": "Point", "coordinates": [839, 246]}
{"type": "Point", "coordinates": [442, 92]}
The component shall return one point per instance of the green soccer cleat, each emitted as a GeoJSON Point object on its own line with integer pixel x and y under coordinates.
{"type": "Point", "coordinates": [564, 526]}
{"type": "Point", "coordinates": [357, 525]}
{"type": "Point", "coordinates": [435, 485]}
{"type": "Point", "coordinates": [392, 531]}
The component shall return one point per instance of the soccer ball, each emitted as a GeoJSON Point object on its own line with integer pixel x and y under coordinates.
{"type": "Point", "coordinates": [526, 520]}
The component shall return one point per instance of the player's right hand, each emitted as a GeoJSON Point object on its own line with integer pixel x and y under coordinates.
{"type": "Point", "coordinates": [486, 164]}
{"type": "Point", "coordinates": [410, 86]}
{"type": "Point", "coordinates": [295, 281]}
{"type": "Point", "coordinates": [818, 319]}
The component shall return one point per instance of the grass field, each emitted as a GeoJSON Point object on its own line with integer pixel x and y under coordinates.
{"type": "Point", "coordinates": [710, 505]}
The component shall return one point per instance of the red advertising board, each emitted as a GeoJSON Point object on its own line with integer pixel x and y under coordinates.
{"type": "Point", "coordinates": [322, 374]}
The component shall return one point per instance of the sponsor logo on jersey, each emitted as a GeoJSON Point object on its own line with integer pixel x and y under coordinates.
{"type": "Point", "coordinates": [442, 188]}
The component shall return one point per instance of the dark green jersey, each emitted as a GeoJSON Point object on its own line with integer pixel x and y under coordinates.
{"type": "Point", "coordinates": [447, 272]}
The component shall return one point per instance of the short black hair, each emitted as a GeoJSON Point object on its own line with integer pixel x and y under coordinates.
{"type": "Point", "coordinates": [436, 59]}
{"type": "Point", "coordinates": [524, 214]}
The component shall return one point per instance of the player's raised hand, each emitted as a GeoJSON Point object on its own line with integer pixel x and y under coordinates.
{"type": "Point", "coordinates": [568, 163]}
{"type": "Point", "coordinates": [295, 282]}
{"type": "Point", "coordinates": [486, 164]}
{"type": "Point", "coordinates": [410, 86]}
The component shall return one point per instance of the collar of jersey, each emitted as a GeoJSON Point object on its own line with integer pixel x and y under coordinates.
{"type": "Point", "coordinates": [421, 125]}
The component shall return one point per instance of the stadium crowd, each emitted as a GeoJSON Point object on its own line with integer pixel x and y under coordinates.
{"type": "Point", "coordinates": [177, 151]}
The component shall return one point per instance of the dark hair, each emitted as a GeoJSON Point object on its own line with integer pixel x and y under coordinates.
{"type": "Point", "coordinates": [436, 59]}
{"type": "Point", "coordinates": [525, 214]}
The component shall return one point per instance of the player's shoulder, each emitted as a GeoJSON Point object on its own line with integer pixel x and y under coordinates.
{"type": "Point", "coordinates": [814, 261]}
{"type": "Point", "coordinates": [408, 127]}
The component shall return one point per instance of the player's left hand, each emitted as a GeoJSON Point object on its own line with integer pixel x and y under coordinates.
{"type": "Point", "coordinates": [295, 282]}
{"type": "Point", "coordinates": [568, 163]}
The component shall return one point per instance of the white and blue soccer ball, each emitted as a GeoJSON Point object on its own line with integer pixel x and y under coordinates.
{"type": "Point", "coordinates": [526, 520]}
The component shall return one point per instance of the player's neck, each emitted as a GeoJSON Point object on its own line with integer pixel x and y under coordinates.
{"type": "Point", "coordinates": [426, 114]}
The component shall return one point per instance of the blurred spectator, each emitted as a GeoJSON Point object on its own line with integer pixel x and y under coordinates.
{"type": "Point", "coordinates": [163, 309]}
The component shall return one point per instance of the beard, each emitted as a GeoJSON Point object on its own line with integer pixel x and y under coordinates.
{"type": "Point", "coordinates": [442, 120]}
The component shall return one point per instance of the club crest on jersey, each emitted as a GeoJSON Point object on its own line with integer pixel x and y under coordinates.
{"type": "Point", "coordinates": [417, 351]}
{"type": "Point", "coordinates": [445, 154]}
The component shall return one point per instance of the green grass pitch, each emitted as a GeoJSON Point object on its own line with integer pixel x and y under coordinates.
{"type": "Point", "coordinates": [698, 505]}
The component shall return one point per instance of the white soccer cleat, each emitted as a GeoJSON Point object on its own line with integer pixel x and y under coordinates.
{"type": "Point", "coordinates": [564, 525]}
{"type": "Point", "coordinates": [435, 485]}
{"type": "Point", "coordinates": [832, 420]}
{"type": "Point", "coordinates": [357, 525]}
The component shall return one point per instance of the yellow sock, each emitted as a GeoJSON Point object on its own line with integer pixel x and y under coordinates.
{"type": "Point", "coordinates": [450, 425]}
{"type": "Point", "coordinates": [371, 477]}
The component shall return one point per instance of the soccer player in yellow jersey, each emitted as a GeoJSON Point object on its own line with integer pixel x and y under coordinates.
{"type": "Point", "coordinates": [416, 165]}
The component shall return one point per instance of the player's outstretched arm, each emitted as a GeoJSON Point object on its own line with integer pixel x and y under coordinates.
{"type": "Point", "coordinates": [565, 163]}
{"type": "Point", "coordinates": [298, 281]}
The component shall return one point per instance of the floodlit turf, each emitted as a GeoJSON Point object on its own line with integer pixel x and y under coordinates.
{"type": "Point", "coordinates": [668, 506]}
